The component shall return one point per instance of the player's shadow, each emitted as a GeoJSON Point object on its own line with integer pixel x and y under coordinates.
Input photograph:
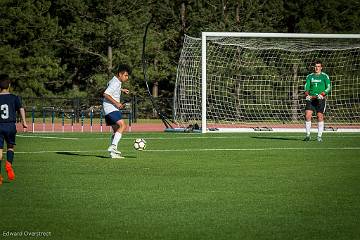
{"type": "Point", "coordinates": [86, 155]}
{"type": "Point", "coordinates": [80, 154]}
{"type": "Point", "coordinates": [277, 138]}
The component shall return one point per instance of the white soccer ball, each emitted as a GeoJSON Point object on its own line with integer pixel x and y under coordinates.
{"type": "Point", "coordinates": [140, 144]}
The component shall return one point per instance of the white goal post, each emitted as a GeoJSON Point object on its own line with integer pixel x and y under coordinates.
{"type": "Point", "coordinates": [231, 81]}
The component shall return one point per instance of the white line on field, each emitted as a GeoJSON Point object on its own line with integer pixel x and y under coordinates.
{"type": "Point", "coordinates": [61, 151]}
{"type": "Point", "coordinates": [195, 150]}
{"type": "Point", "coordinates": [167, 138]}
{"type": "Point", "coordinates": [46, 137]}
{"type": "Point", "coordinates": [247, 149]}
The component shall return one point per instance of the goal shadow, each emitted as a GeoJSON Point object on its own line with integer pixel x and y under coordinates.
{"type": "Point", "coordinates": [81, 154]}
{"type": "Point", "coordinates": [276, 138]}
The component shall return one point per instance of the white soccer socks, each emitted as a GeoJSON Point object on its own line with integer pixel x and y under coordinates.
{"type": "Point", "coordinates": [114, 153]}
{"type": "Point", "coordinates": [116, 139]}
{"type": "Point", "coordinates": [320, 128]}
{"type": "Point", "coordinates": [308, 128]}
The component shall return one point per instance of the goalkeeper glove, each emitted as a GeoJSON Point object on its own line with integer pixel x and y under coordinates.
{"type": "Point", "coordinates": [307, 96]}
{"type": "Point", "coordinates": [321, 95]}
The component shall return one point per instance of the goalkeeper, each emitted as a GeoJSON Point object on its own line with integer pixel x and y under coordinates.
{"type": "Point", "coordinates": [317, 87]}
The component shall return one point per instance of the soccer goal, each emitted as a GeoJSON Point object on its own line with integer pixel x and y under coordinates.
{"type": "Point", "coordinates": [255, 81]}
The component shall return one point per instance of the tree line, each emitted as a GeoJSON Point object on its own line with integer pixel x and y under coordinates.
{"type": "Point", "coordinates": [69, 48]}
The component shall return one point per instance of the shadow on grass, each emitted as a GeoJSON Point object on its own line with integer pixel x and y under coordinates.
{"type": "Point", "coordinates": [277, 138]}
{"type": "Point", "coordinates": [87, 155]}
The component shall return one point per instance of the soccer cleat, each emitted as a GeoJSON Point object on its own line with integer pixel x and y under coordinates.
{"type": "Point", "coordinates": [112, 149]}
{"type": "Point", "coordinates": [10, 171]}
{"type": "Point", "coordinates": [319, 139]}
{"type": "Point", "coordinates": [307, 138]}
{"type": "Point", "coordinates": [115, 155]}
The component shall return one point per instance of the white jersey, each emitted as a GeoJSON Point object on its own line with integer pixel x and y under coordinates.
{"type": "Point", "coordinates": [114, 90]}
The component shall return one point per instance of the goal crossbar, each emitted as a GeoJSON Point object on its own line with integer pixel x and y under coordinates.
{"type": "Point", "coordinates": [278, 35]}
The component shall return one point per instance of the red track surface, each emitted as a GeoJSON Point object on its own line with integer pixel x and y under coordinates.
{"type": "Point", "coordinates": [140, 127]}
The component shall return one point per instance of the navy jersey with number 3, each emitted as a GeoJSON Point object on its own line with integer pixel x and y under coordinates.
{"type": "Point", "coordinates": [9, 105]}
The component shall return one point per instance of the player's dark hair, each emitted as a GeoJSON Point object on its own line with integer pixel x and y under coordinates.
{"type": "Point", "coordinates": [317, 61]}
{"type": "Point", "coordinates": [4, 81]}
{"type": "Point", "coordinates": [123, 68]}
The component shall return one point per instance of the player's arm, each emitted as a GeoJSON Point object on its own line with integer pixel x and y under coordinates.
{"type": "Point", "coordinates": [327, 88]}
{"type": "Point", "coordinates": [23, 118]}
{"type": "Point", "coordinates": [113, 101]}
{"type": "Point", "coordinates": [124, 90]}
{"type": "Point", "coordinates": [327, 85]}
{"type": "Point", "coordinates": [307, 89]}
{"type": "Point", "coordinates": [21, 110]}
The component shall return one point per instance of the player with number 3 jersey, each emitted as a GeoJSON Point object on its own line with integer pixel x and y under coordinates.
{"type": "Point", "coordinates": [10, 104]}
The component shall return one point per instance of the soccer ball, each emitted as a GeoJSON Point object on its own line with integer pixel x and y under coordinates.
{"type": "Point", "coordinates": [139, 144]}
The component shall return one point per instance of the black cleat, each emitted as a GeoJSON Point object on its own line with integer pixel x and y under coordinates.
{"type": "Point", "coordinates": [307, 138]}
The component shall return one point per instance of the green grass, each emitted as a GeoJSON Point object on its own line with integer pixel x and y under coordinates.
{"type": "Point", "coordinates": [184, 186]}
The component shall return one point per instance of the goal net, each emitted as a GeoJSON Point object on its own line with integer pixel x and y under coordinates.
{"type": "Point", "coordinates": [255, 81]}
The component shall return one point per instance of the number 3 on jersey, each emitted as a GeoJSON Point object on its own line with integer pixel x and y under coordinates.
{"type": "Point", "coordinates": [4, 111]}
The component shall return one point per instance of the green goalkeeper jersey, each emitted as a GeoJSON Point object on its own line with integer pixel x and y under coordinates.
{"type": "Point", "coordinates": [317, 83]}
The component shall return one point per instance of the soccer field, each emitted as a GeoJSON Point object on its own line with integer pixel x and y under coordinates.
{"type": "Point", "coordinates": [184, 186]}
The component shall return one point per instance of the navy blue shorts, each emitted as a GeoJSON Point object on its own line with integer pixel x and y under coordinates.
{"type": "Point", "coordinates": [7, 133]}
{"type": "Point", "coordinates": [112, 118]}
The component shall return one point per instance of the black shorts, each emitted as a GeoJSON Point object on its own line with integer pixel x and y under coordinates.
{"type": "Point", "coordinates": [318, 105]}
{"type": "Point", "coordinates": [7, 133]}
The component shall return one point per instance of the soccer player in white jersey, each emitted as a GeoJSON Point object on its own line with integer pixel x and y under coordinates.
{"type": "Point", "coordinates": [112, 106]}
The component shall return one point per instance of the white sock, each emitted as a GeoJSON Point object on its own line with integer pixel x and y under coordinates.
{"type": "Point", "coordinates": [320, 128]}
{"type": "Point", "coordinates": [308, 127]}
{"type": "Point", "coordinates": [116, 139]}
